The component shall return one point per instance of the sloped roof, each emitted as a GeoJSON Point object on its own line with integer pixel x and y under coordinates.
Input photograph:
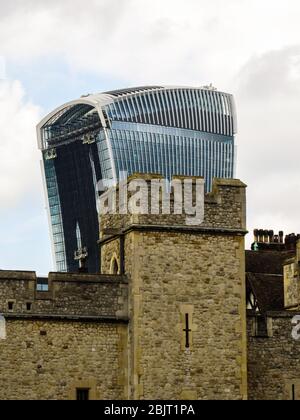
{"type": "Point", "coordinates": [268, 290]}
{"type": "Point", "coordinates": [266, 262]}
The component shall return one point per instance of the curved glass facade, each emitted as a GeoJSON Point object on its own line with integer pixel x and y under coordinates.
{"type": "Point", "coordinates": [170, 131]}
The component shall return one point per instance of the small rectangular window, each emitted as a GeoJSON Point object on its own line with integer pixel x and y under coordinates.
{"type": "Point", "coordinates": [82, 394]}
{"type": "Point", "coordinates": [28, 306]}
{"type": "Point", "coordinates": [10, 306]}
{"type": "Point", "coordinates": [42, 285]}
{"type": "Point", "coordinates": [261, 327]}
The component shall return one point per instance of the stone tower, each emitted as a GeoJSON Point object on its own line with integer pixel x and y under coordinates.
{"type": "Point", "coordinates": [187, 305]}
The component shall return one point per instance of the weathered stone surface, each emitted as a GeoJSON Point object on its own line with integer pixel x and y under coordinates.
{"type": "Point", "coordinates": [273, 362]}
{"type": "Point", "coordinates": [49, 360]}
{"type": "Point", "coordinates": [174, 271]}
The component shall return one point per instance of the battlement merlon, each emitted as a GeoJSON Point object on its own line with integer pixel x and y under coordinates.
{"type": "Point", "coordinates": [224, 207]}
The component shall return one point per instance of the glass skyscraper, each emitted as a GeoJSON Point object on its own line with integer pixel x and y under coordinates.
{"type": "Point", "coordinates": [155, 129]}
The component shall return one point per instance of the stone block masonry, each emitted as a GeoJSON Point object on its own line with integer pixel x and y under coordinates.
{"type": "Point", "coordinates": [273, 361]}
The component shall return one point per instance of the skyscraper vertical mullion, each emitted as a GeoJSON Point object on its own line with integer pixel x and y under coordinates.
{"type": "Point", "coordinates": [203, 111]}
{"type": "Point", "coordinates": [209, 110]}
{"type": "Point", "coordinates": [184, 102]}
{"type": "Point", "coordinates": [128, 105]}
{"type": "Point", "coordinates": [216, 120]}
{"type": "Point", "coordinates": [171, 110]}
{"type": "Point", "coordinates": [195, 149]}
{"type": "Point", "coordinates": [223, 113]}
{"type": "Point", "coordinates": [221, 128]}
{"type": "Point", "coordinates": [130, 153]}
{"type": "Point", "coordinates": [184, 156]}
{"type": "Point", "coordinates": [198, 115]}
{"type": "Point", "coordinates": [126, 109]}
{"type": "Point", "coordinates": [161, 95]}
{"type": "Point", "coordinates": [177, 101]}
{"type": "Point", "coordinates": [157, 107]}
{"type": "Point", "coordinates": [224, 160]}
{"type": "Point", "coordinates": [116, 117]}
{"type": "Point", "coordinates": [188, 109]}
{"type": "Point", "coordinates": [150, 168]}
{"type": "Point", "coordinates": [160, 153]}
{"type": "Point", "coordinates": [182, 108]}
{"type": "Point", "coordinates": [189, 157]}
{"type": "Point", "coordinates": [145, 153]}
{"type": "Point", "coordinates": [226, 115]}
{"type": "Point", "coordinates": [146, 106]}
{"type": "Point", "coordinates": [205, 160]}
{"type": "Point", "coordinates": [153, 111]}
{"type": "Point", "coordinates": [123, 155]}
{"type": "Point", "coordinates": [191, 121]}
{"type": "Point", "coordinates": [198, 166]}
{"type": "Point", "coordinates": [176, 110]}
{"type": "Point", "coordinates": [118, 111]}
{"type": "Point", "coordinates": [171, 147]}
{"type": "Point", "coordinates": [167, 157]}
{"type": "Point", "coordinates": [230, 117]}
{"type": "Point", "coordinates": [132, 101]}
{"type": "Point", "coordinates": [142, 113]}
{"type": "Point", "coordinates": [168, 108]}
{"type": "Point", "coordinates": [150, 153]}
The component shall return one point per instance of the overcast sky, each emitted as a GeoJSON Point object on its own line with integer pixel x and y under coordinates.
{"type": "Point", "coordinates": [55, 51]}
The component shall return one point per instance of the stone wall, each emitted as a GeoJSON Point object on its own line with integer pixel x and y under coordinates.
{"type": "Point", "coordinates": [48, 360]}
{"type": "Point", "coordinates": [72, 336]}
{"type": "Point", "coordinates": [274, 362]}
{"type": "Point", "coordinates": [292, 280]}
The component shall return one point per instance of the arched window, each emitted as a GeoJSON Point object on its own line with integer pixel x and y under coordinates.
{"type": "Point", "coordinates": [114, 266]}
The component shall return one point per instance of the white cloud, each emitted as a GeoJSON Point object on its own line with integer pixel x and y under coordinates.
{"type": "Point", "coordinates": [140, 41]}
{"type": "Point", "coordinates": [19, 157]}
{"type": "Point", "coordinates": [268, 97]}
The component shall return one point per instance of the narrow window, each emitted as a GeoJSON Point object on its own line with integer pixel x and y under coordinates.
{"type": "Point", "coordinates": [261, 327]}
{"type": "Point", "coordinates": [114, 268]}
{"type": "Point", "coordinates": [187, 331]}
{"type": "Point", "coordinates": [10, 306]}
{"type": "Point", "coordinates": [82, 394]}
{"type": "Point", "coordinates": [28, 306]}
